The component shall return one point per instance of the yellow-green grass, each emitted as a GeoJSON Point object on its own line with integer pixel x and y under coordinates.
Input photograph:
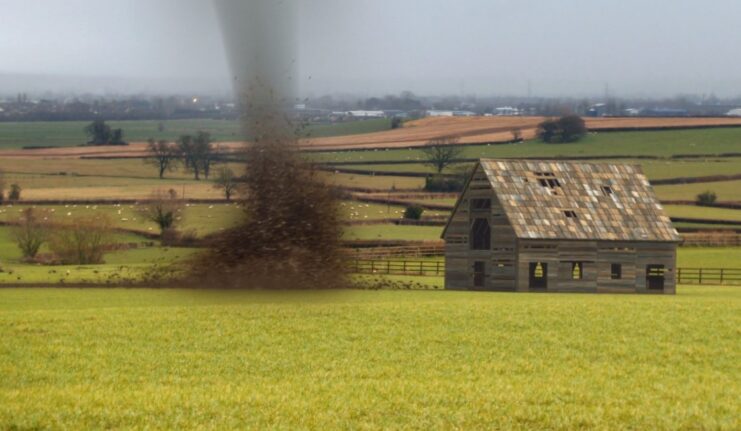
{"type": "Point", "coordinates": [709, 257]}
{"type": "Point", "coordinates": [437, 201]}
{"type": "Point", "coordinates": [125, 265]}
{"type": "Point", "coordinates": [47, 188]}
{"type": "Point", "coordinates": [725, 190]}
{"type": "Point", "coordinates": [201, 219]}
{"type": "Point", "coordinates": [393, 232]}
{"type": "Point", "coordinates": [663, 169]}
{"type": "Point", "coordinates": [71, 133]}
{"type": "Point", "coordinates": [617, 144]}
{"type": "Point", "coordinates": [654, 169]}
{"type": "Point", "coordinates": [360, 211]}
{"type": "Point", "coordinates": [698, 212]}
{"type": "Point", "coordinates": [373, 182]}
{"type": "Point", "coordinates": [164, 359]}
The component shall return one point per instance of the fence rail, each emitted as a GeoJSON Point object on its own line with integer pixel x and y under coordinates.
{"type": "Point", "coordinates": [399, 267]}
{"type": "Point", "coordinates": [707, 276]}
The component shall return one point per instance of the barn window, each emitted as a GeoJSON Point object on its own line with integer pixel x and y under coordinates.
{"type": "Point", "coordinates": [608, 190]}
{"type": "Point", "coordinates": [548, 180]}
{"type": "Point", "coordinates": [480, 204]}
{"type": "Point", "coordinates": [577, 270]}
{"type": "Point", "coordinates": [481, 235]}
{"type": "Point", "coordinates": [616, 272]}
{"type": "Point", "coordinates": [570, 214]}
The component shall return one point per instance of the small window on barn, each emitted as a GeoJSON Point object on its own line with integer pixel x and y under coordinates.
{"type": "Point", "coordinates": [481, 235]}
{"type": "Point", "coordinates": [547, 180]}
{"type": "Point", "coordinates": [616, 272]}
{"type": "Point", "coordinates": [480, 204]}
{"type": "Point", "coordinates": [577, 270]}
{"type": "Point", "coordinates": [570, 214]}
{"type": "Point", "coordinates": [608, 190]}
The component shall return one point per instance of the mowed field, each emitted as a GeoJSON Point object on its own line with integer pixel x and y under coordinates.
{"type": "Point", "coordinates": [474, 130]}
{"type": "Point", "coordinates": [165, 359]}
{"type": "Point", "coordinates": [71, 133]}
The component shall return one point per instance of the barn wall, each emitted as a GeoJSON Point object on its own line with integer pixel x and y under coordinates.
{"type": "Point", "coordinates": [500, 261]}
{"type": "Point", "coordinates": [597, 258]}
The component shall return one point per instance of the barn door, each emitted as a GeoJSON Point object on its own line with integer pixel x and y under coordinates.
{"type": "Point", "coordinates": [538, 275]}
{"type": "Point", "coordinates": [479, 275]}
{"type": "Point", "coordinates": [655, 275]}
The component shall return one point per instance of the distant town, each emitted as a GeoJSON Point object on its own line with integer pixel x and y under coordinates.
{"type": "Point", "coordinates": [331, 109]}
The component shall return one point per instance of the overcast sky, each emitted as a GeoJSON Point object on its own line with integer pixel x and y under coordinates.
{"type": "Point", "coordinates": [563, 47]}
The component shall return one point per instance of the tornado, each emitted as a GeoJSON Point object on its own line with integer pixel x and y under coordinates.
{"type": "Point", "coordinates": [260, 39]}
{"type": "Point", "coordinates": [291, 234]}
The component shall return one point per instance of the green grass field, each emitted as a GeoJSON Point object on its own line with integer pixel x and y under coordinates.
{"type": "Point", "coordinates": [703, 212]}
{"type": "Point", "coordinates": [657, 144]}
{"type": "Point", "coordinates": [71, 133]}
{"type": "Point", "coordinates": [654, 169]}
{"type": "Point", "coordinates": [163, 359]}
{"type": "Point", "coordinates": [725, 190]}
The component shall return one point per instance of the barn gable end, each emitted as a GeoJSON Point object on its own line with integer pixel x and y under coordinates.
{"type": "Point", "coordinates": [559, 226]}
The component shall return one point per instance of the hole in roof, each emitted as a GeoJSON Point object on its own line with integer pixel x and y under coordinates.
{"type": "Point", "coordinates": [607, 190]}
{"type": "Point", "coordinates": [570, 214]}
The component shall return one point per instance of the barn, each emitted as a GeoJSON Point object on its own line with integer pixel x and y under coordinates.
{"type": "Point", "coordinates": [556, 226]}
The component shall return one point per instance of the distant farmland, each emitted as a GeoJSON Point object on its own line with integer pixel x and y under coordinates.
{"type": "Point", "coordinates": [70, 133]}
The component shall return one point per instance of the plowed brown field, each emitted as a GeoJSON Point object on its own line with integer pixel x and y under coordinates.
{"type": "Point", "coordinates": [469, 130]}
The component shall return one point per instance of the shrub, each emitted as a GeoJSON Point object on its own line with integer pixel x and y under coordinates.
{"type": "Point", "coordinates": [163, 209]}
{"type": "Point", "coordinates": [396, 123]}
{"type": "Point", "coordinates": [444, 184]}
{"type": "Point", "coordinates": [15, 193]}
{"type": "Point", "coordinates": [82, 241]}
{"type": "Point", "coordinates": [29, 234]}
{"type": "Point", "coordinates": [414, 213]}
{"type": "Point", "coordinates": [707, 198]}
{"type": "Point", "coordinates": [570, 128]}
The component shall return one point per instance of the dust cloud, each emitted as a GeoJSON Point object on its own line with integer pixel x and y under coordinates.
{"type": "Point", "coordinates": [291, 233]}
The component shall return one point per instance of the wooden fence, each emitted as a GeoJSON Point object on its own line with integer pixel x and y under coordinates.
{"type": "Point", "coordinates": [709, 276]}
{"type": "Point", "coordinates": [431, 268]}
{"type": "Point", "coordinates": [399, 267]}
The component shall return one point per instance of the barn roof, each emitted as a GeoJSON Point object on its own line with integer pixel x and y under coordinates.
{"type": "Point", "coordinates": [579, 201]}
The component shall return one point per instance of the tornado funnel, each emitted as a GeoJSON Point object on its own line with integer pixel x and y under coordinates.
{"type": "Point", "coordinates": [260, 41]}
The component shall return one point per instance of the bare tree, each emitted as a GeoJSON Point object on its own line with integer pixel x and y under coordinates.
{"type": "Point", "coordinates": [163, 155]}
{"type": "Point", "coordinates": [442, 152]}
{"type": "Point", "coordinates": [29, 234]}
{"type": "Point", "coordinates": [82, 241]}
{"type": "Point", "coordinates": [205, 152]}
{"type": "Point", "coordinates": [198, 153]}
{"type": "Point", "coordinates": [227, 182]}
{"type": "Point", "coordinates": [187, 151]}
{"type": "Point", "coordinates": [163, 209]}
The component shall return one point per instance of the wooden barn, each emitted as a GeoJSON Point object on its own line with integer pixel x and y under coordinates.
{"type": "Point", "coordinates": [543, 226]}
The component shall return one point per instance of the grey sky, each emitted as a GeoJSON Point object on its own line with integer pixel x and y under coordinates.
{"type": "Point", "coordinates": [564, 47]}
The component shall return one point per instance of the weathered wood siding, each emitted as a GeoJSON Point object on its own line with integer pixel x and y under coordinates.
{"type": "Point", "coordinates": [596, 259]}
{"type": "Point", "coordinates": [500, 261]}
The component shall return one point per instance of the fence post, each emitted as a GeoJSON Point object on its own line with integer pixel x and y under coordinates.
{"type": "Point", "coordinates": [373, 266]}
{"type": "Point", "coordinates": [721, 275]}
{"type": "Point", "coordinates": [700, 276]}
{"type": "Point", "coordinates": [388, 267]}
{"type": "Point", "coordinates": [679, 275]}
{"type": "Point", "coordinates": [421, 271]}
{"type": "Point", "coordinates": [405, 267]}
{"type": "Point", "coordinates": [437, 269]}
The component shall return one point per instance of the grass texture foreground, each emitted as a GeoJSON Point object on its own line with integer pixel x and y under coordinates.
{"type": "Point", "coordinates": [82, 359]}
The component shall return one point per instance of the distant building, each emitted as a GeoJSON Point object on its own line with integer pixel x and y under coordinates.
{"type": "Point", "coordinates": [506, 111]}
{"type": "Point", "coordinates": [597, 110]}
{"type": "Point", "coordinates": [366, 114]}
{"type": "Point", "coordinates": [435, 113]}
{"type": "Point", "coordinates": [734, 113]}
{"type": "Point", "coordinates": [541, 226]}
